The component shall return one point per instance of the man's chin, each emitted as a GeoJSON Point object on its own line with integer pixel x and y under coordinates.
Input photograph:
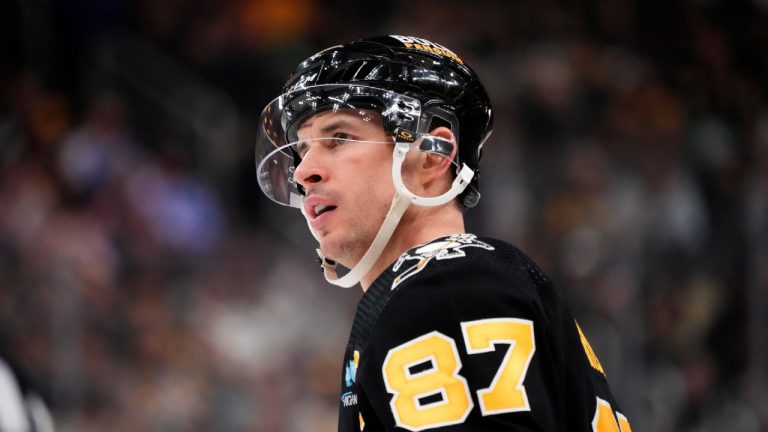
{"type": "Point", "coordinates": [336, 252]}
{"type": "Point", "coordinates": [329, 249]}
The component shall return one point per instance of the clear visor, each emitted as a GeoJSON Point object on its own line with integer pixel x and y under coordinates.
{"type": "Point", "coordinates": [283, 139]}
{"type": "Point", "coordinates": [276, 169]}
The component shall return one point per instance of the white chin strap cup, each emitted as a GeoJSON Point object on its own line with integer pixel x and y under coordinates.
{"type": "Point", "coordinates": [402, 199]}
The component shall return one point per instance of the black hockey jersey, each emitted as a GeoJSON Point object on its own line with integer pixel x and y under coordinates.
{"type": "Point", "coordinates": [467, 334]}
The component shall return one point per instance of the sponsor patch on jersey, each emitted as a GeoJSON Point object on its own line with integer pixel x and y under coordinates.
{"type": "Point", "coordinates": [448, 248]}
{"type": "Point", "coordinates": [349, 399]}
{"type": "Point", "coordinates": [420, 44]}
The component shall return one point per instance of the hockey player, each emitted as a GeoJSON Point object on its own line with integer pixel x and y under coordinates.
{"type": "Point", "coordinates": [378, 142]}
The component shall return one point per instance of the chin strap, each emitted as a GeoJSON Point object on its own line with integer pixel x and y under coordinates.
{"type": "Point", "coordinates": [396, 211]}
{"type": "Point", "coordinates": [402, 199]}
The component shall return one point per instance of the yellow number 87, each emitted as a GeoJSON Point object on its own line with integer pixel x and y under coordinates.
{"type": "Point", "coordinates": [422, 374]}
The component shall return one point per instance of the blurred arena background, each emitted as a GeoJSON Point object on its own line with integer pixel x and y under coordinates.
{"type": "Point", "coordinates": [146, 284]}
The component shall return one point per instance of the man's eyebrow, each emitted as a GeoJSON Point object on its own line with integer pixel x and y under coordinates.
{"type": "Point", "coordinates": [336, 124]}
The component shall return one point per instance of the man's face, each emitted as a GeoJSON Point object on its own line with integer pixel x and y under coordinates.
{"type": "Point", "coordinates": [347, 183]}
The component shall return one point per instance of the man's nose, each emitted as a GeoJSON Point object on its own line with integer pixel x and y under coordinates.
{"type": "Point", "coordinates": [311, 169]}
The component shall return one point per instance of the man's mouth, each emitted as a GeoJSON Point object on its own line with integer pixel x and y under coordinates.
{"type": "Point", "coordinates": [322, 208]}
{"type": "Point", "coordinates": [317, 210]}
{"type": "Point", "coordinates": [319, 214]}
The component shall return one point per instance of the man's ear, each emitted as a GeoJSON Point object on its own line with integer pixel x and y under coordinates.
{"type": "Point", "coordinates": [434, 165]}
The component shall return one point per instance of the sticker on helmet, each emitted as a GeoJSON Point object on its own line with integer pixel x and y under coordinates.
{"type": "Point", "coordinates": [425, 45]}
{"type": "Point", "coordinates": [406, 136]}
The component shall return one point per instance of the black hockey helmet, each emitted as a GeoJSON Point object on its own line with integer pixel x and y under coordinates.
{"type": "Point", "coordinates": [448, 91]}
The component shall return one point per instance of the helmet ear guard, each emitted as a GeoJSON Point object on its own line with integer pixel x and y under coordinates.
{"type": "Point", "coordinates": [444, 147]}
{"type": "Point", "coordinates": [436, 144]}
{"type": "Point", "coordinates": [431, 144]}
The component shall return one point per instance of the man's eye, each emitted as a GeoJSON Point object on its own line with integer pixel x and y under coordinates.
{"type": "Point", "coordinates": [341, 138]}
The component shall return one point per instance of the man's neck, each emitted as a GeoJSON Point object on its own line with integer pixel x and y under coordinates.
{"type": "Point", "coordinates": [419, 225]}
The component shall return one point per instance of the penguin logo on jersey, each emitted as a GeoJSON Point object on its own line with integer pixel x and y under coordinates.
{"type": "Point", "coordinates": [448, 248]}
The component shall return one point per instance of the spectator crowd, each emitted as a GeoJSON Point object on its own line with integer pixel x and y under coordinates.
{"type": "Point", "coordinates": [145, 284]}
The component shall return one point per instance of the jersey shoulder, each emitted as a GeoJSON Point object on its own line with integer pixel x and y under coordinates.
{"type": "Point", "coordinates": [455, 279]}
{"type": "Point", "coordinates": [468, 267]}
